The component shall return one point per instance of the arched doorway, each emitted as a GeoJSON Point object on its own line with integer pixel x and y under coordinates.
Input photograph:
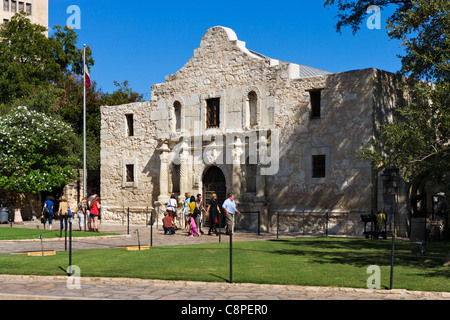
{"type": "Point", "coordinates": [214, 182]}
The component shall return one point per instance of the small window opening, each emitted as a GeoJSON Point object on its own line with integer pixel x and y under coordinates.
{"type": "Point", "coordinates": [130, 172]}
{"type": "Point", "coordinates": [319, 166]}
{"type": "Point", "coordinates": [130, 125]}
{"type": "Point", "coordinates": [315, 97]}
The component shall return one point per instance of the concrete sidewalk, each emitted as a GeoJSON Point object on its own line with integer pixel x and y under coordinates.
{"type": "Point", "coordinates": [59, 288]}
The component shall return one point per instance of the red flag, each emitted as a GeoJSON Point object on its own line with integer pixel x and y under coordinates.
{"type": "Point", "coordinates": [86, 75]}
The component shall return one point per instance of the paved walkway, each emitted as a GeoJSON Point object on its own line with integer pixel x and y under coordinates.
{"type": "Point", "coordinates": [34, 287]}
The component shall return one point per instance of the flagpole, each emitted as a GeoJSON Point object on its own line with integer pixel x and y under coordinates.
{"type": "Point", "coordinates": [84, 124]}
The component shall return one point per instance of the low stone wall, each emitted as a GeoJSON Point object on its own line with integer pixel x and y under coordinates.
{"type": "Point", "coordinates": [121, 215]}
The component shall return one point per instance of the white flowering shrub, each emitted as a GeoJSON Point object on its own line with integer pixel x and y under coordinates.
{"type": "Point", "coordinates": [35, 152]}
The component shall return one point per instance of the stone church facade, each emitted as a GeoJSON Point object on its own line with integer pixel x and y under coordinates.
{"type": "Point", "coordinates": [283, 137]}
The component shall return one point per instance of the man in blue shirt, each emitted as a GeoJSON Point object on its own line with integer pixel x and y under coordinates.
{"type": "Point", "coordinates": [230, 210]}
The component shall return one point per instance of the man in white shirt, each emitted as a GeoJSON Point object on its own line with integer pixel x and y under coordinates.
{"type": "Point", "coordinates": [230, 210]}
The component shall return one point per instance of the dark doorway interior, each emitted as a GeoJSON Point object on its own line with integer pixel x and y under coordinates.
{"type": "Point", "coordinates": [214, 182]}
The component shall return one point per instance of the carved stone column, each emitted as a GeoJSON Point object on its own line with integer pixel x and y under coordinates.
{"type": "Point", "coordinates": [237, 168]}
{"type": "Point", "coordinates": [164, 174]}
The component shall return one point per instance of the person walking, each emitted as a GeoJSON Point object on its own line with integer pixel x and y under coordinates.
{"type": "Point", "coordinates": [201, 209]}
{"type": "Point", "coordinates": [47, 211]}
{"type": "Point", "coordinates": [186, 210]}
{"type": "Point", "coordinates": [193, 226]}
{"type": "Point", "coordinates": [230, 210]}
{"type": "Point", "coordinates": [64, 212]}
{"type": "Point", "coordinates": [441, 215]}
{"type": "Point", "coordinates": [213, 212]}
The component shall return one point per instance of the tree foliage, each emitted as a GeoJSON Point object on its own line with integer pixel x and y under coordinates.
{"type": "Point", "coordinates": [36, 152]}
{"type": "Point", "coordinates": [45, 74]}
{"type": "Point", "coordinates": [418, 139]}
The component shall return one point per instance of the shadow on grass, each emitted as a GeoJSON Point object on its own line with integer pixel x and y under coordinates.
{"type": "Point", "coordinates": [361, 253]}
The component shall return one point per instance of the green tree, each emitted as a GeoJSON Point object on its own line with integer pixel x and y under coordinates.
{"type": "Point", "coordinates": [45, 74]}
{"type": "Point", "coordinates": [30, 62]}
{"type": "Point", "coordinates": [26, 59]}
{"type": "Point", "coordinates": [123, 95]}
{"type": "Point", "coordinates": [36, 152]}
{"type": "Point", "coordinates": [418, 139]}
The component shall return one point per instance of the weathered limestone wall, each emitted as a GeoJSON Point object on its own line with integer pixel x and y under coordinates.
{"type": "Point", "coordinates": [345, 124]}
{"type": "Point", "coordinates": [223, 68]}
{"type": "Point", "coordinates": [117, 150]}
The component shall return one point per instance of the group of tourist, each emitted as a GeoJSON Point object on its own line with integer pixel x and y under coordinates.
{"type": "Point", "coordinates": [194, 212]}
{"type": "Point", "coordinates": [88, 207]}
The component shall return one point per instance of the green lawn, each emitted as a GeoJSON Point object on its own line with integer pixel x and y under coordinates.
{"type": "Point", "coordinates": [311, 262]}
{"type": "Point", "coordinates": [7, 233]}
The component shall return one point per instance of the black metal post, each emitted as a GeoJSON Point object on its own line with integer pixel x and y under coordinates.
{"type": "Point", "coordinates": [128, 221]}
{"type": "Point", "coordinates": [151, 231]}
{"type": "Point", "coordinates": [259, 223]}
{"type": "Point", "coordinates": [42, 245]}
{"type": "Point", "coordinates": [65, 232]}
{"type": "Point", "coordinates": [326, 227]}
{"type": "Point", "coordinates": [231, 256]}
{"type": "Point", "coordinates": [70, 248]}
{"type": "Point", "coordinates": [220, 226]}
{"type": "Point", "coordinates": [392, 259]}
{"type": "Point", "coordinates": [278, 222]}
{"type": "Point", "coordinates": [139, 240]}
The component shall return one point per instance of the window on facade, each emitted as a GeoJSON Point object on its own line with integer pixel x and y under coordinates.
{"type": "Point", "coordinates": [130, 125]}
{"type": "Point", "coordinates": [213, 113]}
{"type": "Point", "coordinates": [21, 6]}
{"type": "Point", "coordinates": [315, 103]}
{"type": "Point", "coordinates": [5, 5]}
{"type": "Point", "coordinates": [130, 172]}
{"type": "Point", "coordinates": [318, 166]}
{"type": "Point", "coordinates": [176, 178]}
{"type": "Point", "coordinates": [252, 109]}
{"type": "Point", "coordinates": [29, 9]}
{"type": "Point", "coordinates": [177, 111]}
{"type": "Point", "coordinates": [13, 6]}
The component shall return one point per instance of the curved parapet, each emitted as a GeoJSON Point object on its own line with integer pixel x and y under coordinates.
{"type": "Point", "coordinates": [218, 34]}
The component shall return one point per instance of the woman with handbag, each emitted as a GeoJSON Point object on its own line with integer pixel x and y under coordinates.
{"type": "Point", "coordinates": [64, 211]}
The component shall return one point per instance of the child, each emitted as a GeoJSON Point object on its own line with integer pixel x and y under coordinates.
{"type": "Point", "coordinates": [193, 226]}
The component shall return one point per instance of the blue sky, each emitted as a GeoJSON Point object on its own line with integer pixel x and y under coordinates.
{"type": "Point", "coordinates": [143, 41]}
